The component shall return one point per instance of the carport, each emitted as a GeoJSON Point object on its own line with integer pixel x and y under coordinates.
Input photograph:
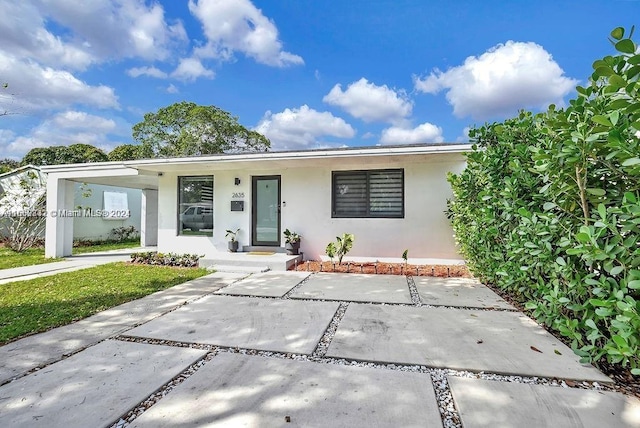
{"type": "Point", "coordinates": [60, 200]}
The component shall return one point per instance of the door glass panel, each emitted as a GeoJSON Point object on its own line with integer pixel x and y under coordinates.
{"type": "Point", "coordinates": [267, 210]}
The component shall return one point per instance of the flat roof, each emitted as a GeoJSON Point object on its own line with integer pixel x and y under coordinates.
{"type": "Point", "coordinates": [398, 150]}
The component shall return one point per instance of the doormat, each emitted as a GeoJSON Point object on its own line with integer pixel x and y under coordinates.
{"type": "Point", "coordinates": [261, 253]}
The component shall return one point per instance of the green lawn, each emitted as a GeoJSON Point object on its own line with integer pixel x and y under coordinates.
{"type": "Point", "coordinates": [35, 256]}
{"type": "Point", "coordinates": [32, 256]}
{"type": "Point", "coordinates": [39, 304]}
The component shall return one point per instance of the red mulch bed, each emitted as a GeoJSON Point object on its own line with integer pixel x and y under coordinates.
{"type": "Point", "coordinates": [457, 271]}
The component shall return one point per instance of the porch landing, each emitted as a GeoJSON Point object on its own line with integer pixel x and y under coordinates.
{"type": "Point", "coordinates": [250, 261]}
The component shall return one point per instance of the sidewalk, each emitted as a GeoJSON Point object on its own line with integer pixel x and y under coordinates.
{"type": "Point", "coordinates": [71, 263]}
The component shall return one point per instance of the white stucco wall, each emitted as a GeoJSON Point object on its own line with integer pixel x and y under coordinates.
{"type": "Point", "coordinates": [97, 227]}
{"type": "Point", "coordinates": [306, 209]}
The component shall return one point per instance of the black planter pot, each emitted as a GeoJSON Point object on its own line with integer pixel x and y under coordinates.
{"type": "Point", "coordinates": [233, 246]}
{"type": "Point", "coordinates": [292, 248]}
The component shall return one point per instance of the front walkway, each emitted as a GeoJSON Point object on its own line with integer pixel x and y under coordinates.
{"type": "Point", "coordinates": [301, 349]}
{"type": "Point", "coordinates": [71, 263]}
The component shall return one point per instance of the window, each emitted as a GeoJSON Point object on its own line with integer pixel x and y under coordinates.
{"type": "Point", "coordinates": [374, 193]}
{"type": "Point", "coordinates": [195, 205]}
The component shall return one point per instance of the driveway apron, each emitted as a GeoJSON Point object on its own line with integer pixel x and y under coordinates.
{"type": "Point", "coordinates": [293, 349]}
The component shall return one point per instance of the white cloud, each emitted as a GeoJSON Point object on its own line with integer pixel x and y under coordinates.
{"type": "Point", "coordinates": [82, 120]}
{"type": "Point", "coordinates": [68, 127]}
{"type": "Point", "coordinates": [134, 28]}
{"type": "Point", "coordinates": [238, 26]}
{"type": "Point", "coordinates": [464, 138]}
{"type": "Point", "coordinates": [25, 35]}
{"type": "Point", "coordinates": [370, 102]}
{"type": "Point", "coordinates": [94, 31]}
{"type": "Point", "coordinates": [39, 88]}
{"type": "Point", "coordinates": [172, 89]}
{"type": "Point", "coordinates": [425, 133]}
{"type": "Point", "coordinates": [501, 81]}
{"type": "Point", "coordinates": [190, 69]}
{"type": "Point", "coordinates": [300, 128]}
{"type": "Point", "coordinates": [147, 71]}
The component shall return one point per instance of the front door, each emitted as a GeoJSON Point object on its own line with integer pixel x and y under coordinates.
{"type": "Point", "coordinates": [265, 210]}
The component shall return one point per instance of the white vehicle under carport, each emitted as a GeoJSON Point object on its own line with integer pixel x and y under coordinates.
{"type": "Point", "coordinates": [197, 217]}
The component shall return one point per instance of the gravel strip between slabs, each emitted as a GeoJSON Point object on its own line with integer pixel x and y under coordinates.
{"type": "Point", "coordinates": [413, 290]}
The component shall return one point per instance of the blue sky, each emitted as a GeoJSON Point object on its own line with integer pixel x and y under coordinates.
{"type": "Point", "coordinates": [307, 74]}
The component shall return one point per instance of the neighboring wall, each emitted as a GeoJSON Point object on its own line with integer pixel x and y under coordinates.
{"type": "Point", "coordinates": [306, 198]}
{"type": "Point", "coordinates": [92, 195]}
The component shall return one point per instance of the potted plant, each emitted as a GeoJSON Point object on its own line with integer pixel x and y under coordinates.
{"type": "Point", "coordinates": [233, 243]}
{"type": "Point", "coordinates": [291, 242]}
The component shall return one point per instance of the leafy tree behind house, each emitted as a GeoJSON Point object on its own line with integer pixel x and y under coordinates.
{"type": "Point", "coordinates": [188, 129]}
{"type": "Point", "coordinates": [126, 152]}
{"type": "Point", "coordinates": [55, 155]}
{"type": "Point", "coordinates": [7, 165]}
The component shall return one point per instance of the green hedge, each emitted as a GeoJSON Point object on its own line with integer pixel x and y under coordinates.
{"type": "Point", "coordinates": [548, 209]}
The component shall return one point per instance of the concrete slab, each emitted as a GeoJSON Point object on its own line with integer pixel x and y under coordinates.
{"type": "Point", "coordinates": [484, 403]}
{"type": "Point", "coordinates": [463, 292]}
{"type": "Point", "coordinates": [476, 340]}
{"type": "Point", "coordinates": [355, 287]}
{"type": "Point", "coordinates": [25, 354]}
{"type": "Point", "coordinates": [268, 284]}
{"type": "Point", "coordinates": [266, 324]}
{"type": "Point", "coordinates": [241, 390]}
{"type": "Point", "coordinates": [92, 388]}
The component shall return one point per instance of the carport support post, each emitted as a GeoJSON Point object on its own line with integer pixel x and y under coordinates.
{"type": "Point", "coordinates": [59, 225]}
{"type": "Point", "coordinates": [149, 218]}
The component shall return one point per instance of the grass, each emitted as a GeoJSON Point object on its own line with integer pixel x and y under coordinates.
{"type": "Point", "coordinates": [37, 305]}
{"type": "Point", "coordinates": [107, 246]}
{"type": "Point", "coordinates": [32, 256]}
{"type": "Point", "coordinates": [35, 256]}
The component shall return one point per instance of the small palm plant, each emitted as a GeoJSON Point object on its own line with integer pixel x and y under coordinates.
{"type": "Point", "coordinates": [344, 245]}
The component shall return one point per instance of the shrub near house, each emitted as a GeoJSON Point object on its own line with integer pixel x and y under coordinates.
{"type": "Point", "coordinates": [548, 209]}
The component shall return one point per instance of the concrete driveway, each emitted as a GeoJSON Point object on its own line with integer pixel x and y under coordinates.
{"type": "Point", "coordinates": [299, 349]}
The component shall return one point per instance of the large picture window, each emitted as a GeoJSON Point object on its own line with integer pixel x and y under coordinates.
{"type": "Point", "coordinates": [374, 193]}
{"type": "Point", "coordinates": [195, 205]}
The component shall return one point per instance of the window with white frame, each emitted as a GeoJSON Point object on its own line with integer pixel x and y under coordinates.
{"type": "Point", "coordinates": [195, 205]}
{"type": "Point", "coordinates": [363, 194]}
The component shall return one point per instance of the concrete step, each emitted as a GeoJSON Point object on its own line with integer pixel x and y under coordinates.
{"type": "Point", "coordinates": [238, 269]}
{"type": "Point", "coordinates": [249, 248]}
{"type": "Point", "coordinates": [276, 262]}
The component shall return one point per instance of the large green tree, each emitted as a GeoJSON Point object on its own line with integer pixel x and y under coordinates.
{"type": "Point", "coordinates": [188, 129]}
{"type": "Point", "coordinates": [125, 152]}
{"type": "Point", "coordinates": [55, 155]}
{"type": "Point", "coordinates": [7, 165]}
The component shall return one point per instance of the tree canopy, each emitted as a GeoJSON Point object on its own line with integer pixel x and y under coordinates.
{"type": "Point", "coordinates": [54, 155]}
{"type": "Point", "coordinates": [188, 129]}
{"type": "Point", "coordinates": [125, 152]}
{"type": "Point", "coordinates": [7, 165]}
